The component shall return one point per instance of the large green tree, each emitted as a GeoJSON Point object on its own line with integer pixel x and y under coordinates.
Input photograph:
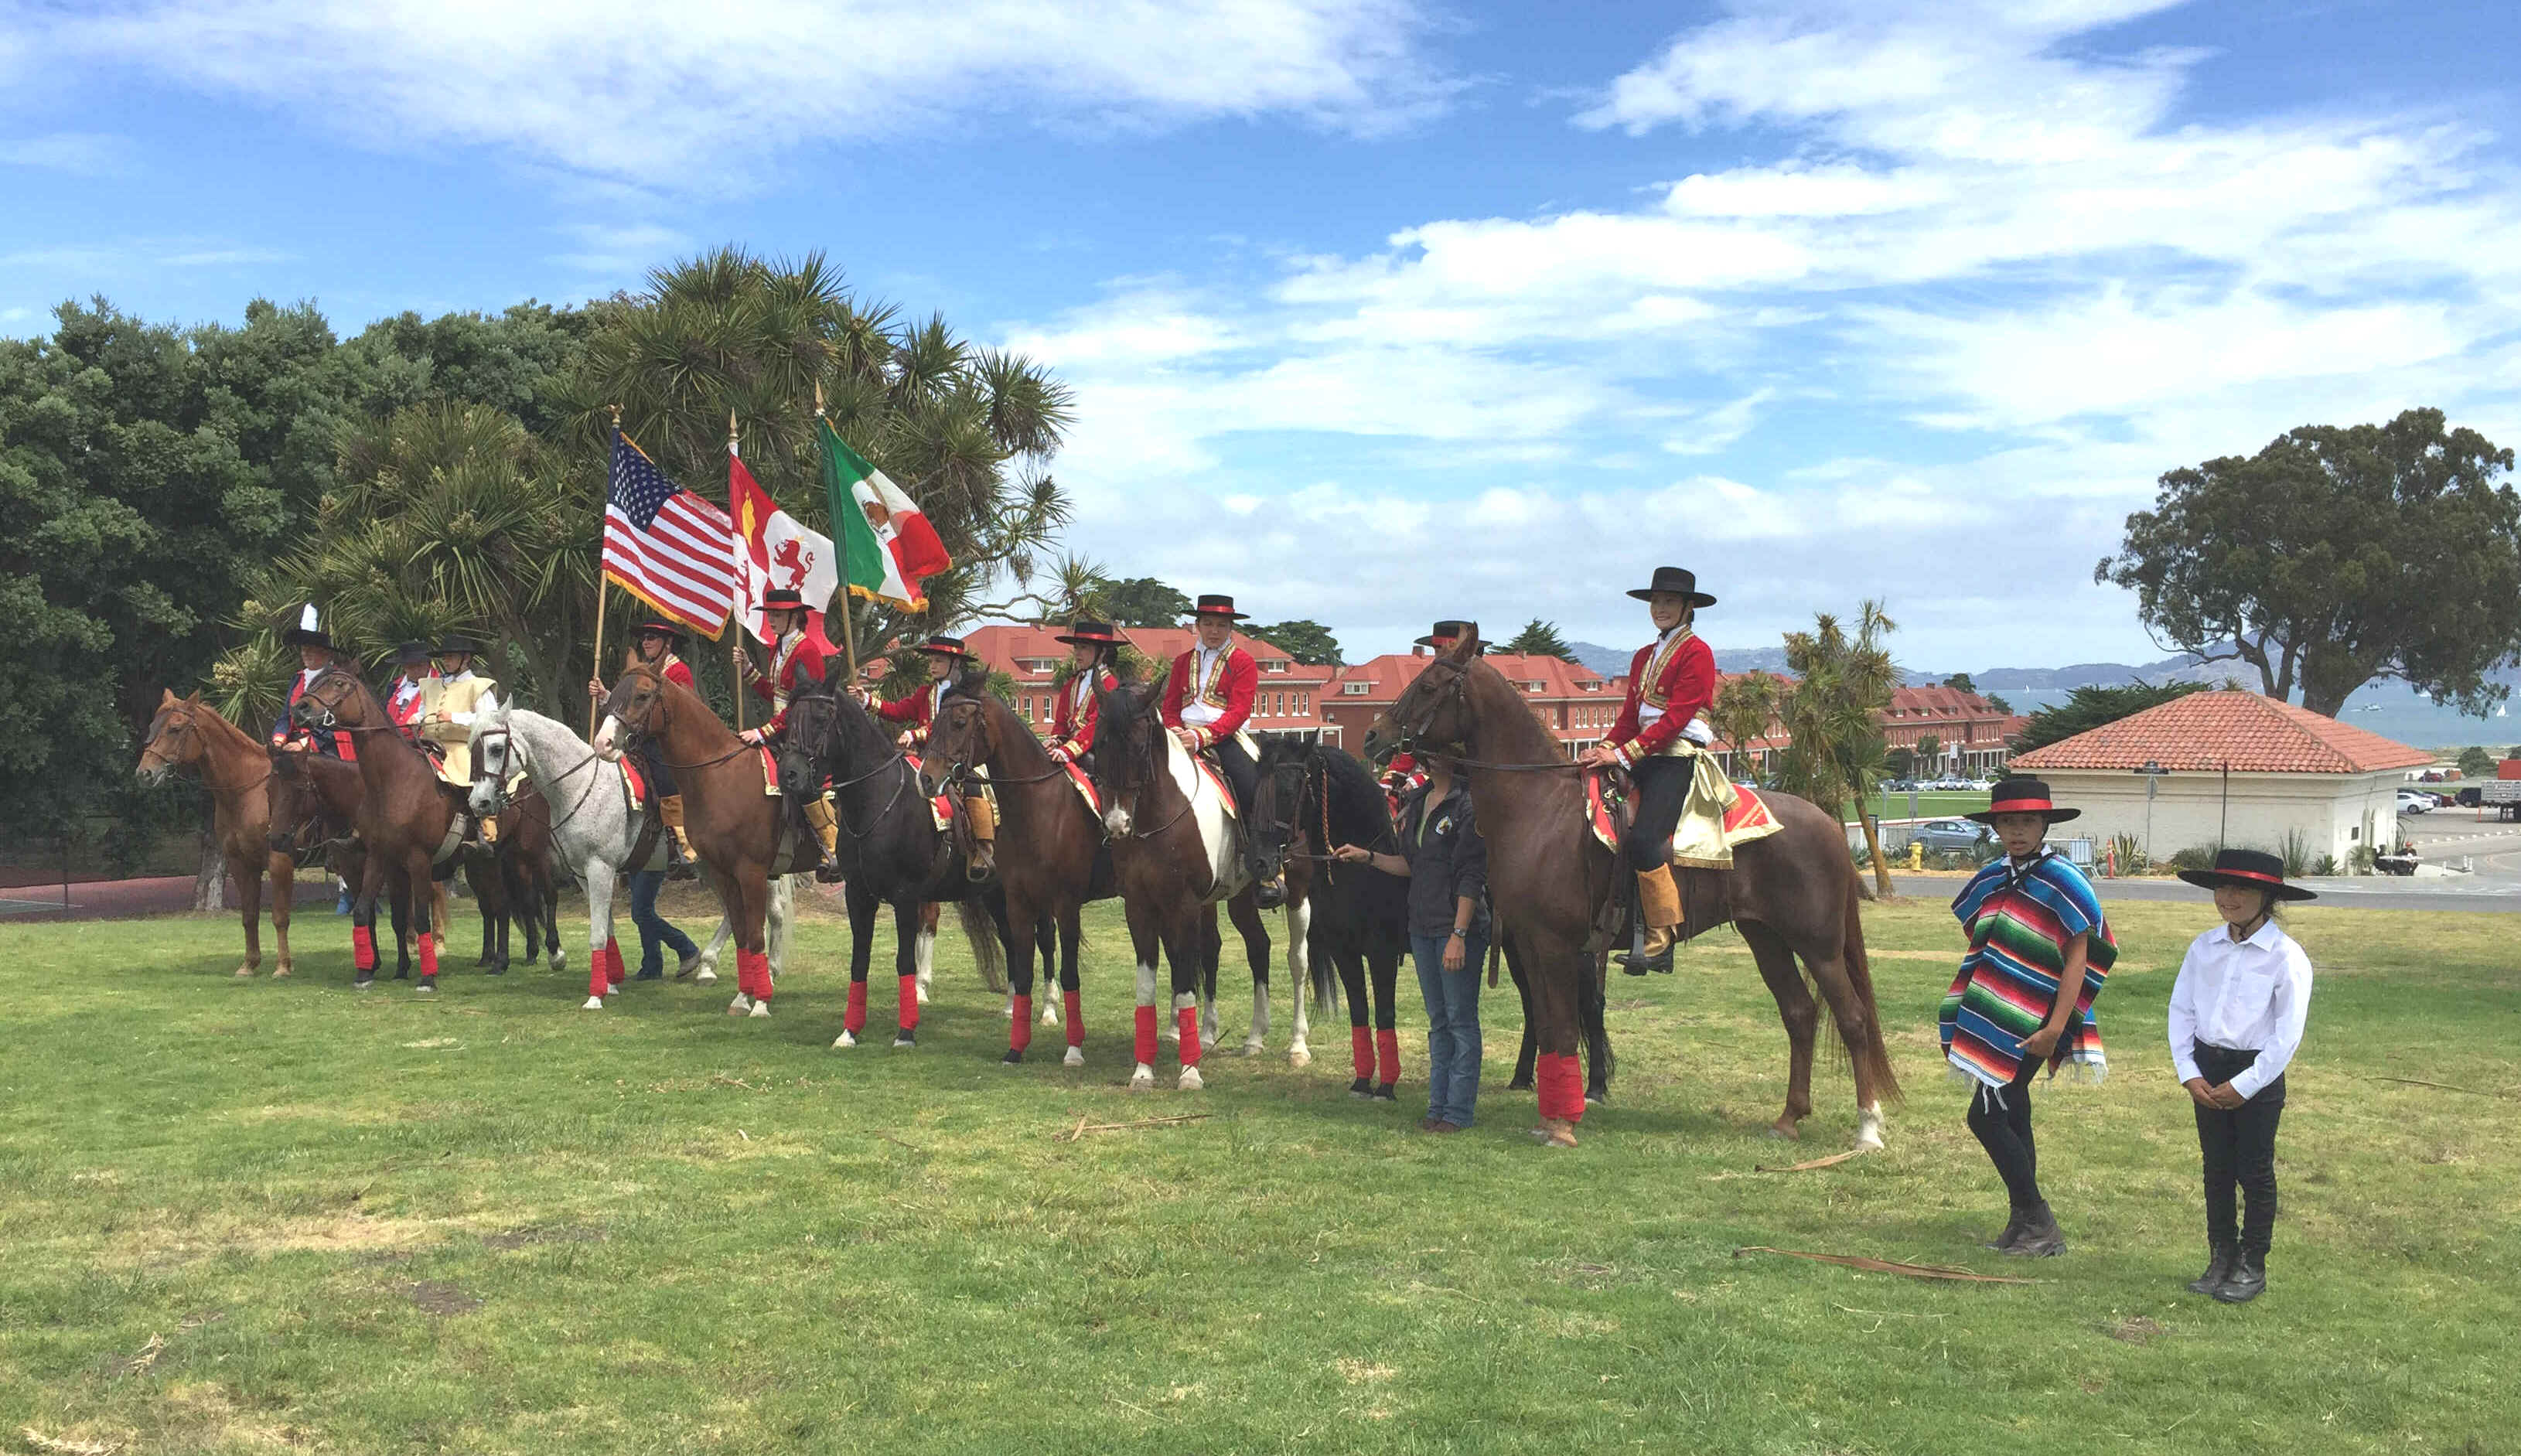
{"type": "Point", "coordinates": [1144, 602]}
{"type": "Point", "coordinates": [1745, 711]}
{"type": "Point", "coordinates": [2088, 707]}
{"type": "Point", "coordinates": [2338, 554]}
{"type": "Point", "coordinates": [1306, 641]}
{"type": "Point", "coordinates": [1539, 639]}
{"type": "Point", "coordinates": [1832, 716]}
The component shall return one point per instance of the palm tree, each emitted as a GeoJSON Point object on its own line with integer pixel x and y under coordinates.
{"type": "Point", "coordinates": [1744, 712]}
{"type": "Point", "coordinates": [1843, 683]}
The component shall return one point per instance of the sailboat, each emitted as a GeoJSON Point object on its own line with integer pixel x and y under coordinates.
{"type": "Point", "coordinates": [2501, 711]}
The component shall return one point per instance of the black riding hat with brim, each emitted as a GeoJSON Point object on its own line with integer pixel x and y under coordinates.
{"type": "Point", "coordinates": [943, 646]}
{"type": "Point", "coordinates": [1215, 605]}
{"type": "Point", "coordinates": [456, 644]}
{"type": "Point", "coordinates": [1091, 632]}
{"type": "Point", "coordinates": [1446, 633]}
{"type": "Point", "coordinates": [783, 599]}
{"type": "Point", "coordinates": [2250, 868]}
{"type": "Point", "coordinates": [411, 654]}
{"type": "Point", "coordinates": [655, 628]}
{"type": "Point", "coordinates": [1677, 580]}
{"type": "Point", "coordinates": [2022, 797]}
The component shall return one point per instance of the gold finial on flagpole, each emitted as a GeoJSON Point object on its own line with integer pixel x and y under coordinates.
{"type": "Point", "coordinates": [617, 414]}
{"type": "Point", "coordinates": [818, 398]}
{"type": "Point", "coordinates": [730, 428]}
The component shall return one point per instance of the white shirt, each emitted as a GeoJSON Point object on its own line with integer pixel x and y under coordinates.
{"type": "Point", "coordinates": [1197, 711]}
{"type": "Point", "coordinates": [2248, 995]}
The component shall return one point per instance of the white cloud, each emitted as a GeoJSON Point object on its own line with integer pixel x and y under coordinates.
{"type": "Point", "coordinates": [701, 94]}
{"type": "Point", "coordinates": [81, 154]}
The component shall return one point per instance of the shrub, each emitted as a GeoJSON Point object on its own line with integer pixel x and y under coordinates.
{"type": "Point", "coordinates": [2129, 852]}
{"type": "Point", "coordinates": [2296, 854]}
{"type": "Point", "coordinates": [2194, 857]}
{"type": "Point", "coordinates": [2326, 864]}
{"type": "Point", "coordinates": [2361, 861]}
{"type": "Point", "coordinates": [2476, 763]}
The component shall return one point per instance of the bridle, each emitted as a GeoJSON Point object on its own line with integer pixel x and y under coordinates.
{"type": "Point", "coordinates": [958, 767]}
{"type": "Point", "coordinates": [331, 721]}
{"type": "Point", "coordinates": [816, 755]}
{"type": "Point", "coordinates": [1459, 695]}
{"type": "Point", "coordinates": [1151, 734]}
{"type": "Point", "coordinates": [649, 695]}
{"type": "Point", "coordinates": [508, 744]}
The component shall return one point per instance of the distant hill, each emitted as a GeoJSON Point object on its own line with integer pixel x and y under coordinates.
{"type": "Point", "coordinates": [1610, 662]}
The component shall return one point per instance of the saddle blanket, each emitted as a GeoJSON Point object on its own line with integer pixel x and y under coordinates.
{"type": "Point", "coordinates": [769, 771]}
{"type": "Point", "coordinates": [1746, 820]}
{"type": "Point", "coordinates": [1217, 776]}
{"type": "Point", "coordinates": [636, 784]}
{"type": "Point", "coordinates": [1085, 787]}
{"type": "Point", "coordinates": [941, 805]}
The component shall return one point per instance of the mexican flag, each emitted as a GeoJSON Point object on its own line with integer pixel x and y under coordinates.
{"type": "Point", "coordinates": [772, 549]}
{"type": "Point", "coordinates": [888, 545]}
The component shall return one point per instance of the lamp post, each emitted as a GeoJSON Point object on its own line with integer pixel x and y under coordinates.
{"type": "Point", "coordinates": [2153, 773]}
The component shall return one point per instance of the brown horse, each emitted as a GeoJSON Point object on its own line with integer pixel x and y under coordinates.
{"type": "Point", "coordinates": [739, 831]}
{"type": "Point", "coordinates": [311, 791]}
{"type": "Point", "coordinates": [1791, 895]}
{"type": "Point", "coordinates": [1049, 843]}
{"type": "Point", "coordinates": [410, 821]}
{"type": "Point", "coordinates": [232, 767]}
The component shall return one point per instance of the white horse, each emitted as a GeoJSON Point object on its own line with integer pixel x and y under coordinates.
{"type": "Point", "coordinates": [592, 828]}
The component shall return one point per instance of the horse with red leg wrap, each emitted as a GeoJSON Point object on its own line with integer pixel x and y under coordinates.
{"type": "Point", "coordinates": [410, 821]}
{"type": "Point", "coordinates": [1312, 798]}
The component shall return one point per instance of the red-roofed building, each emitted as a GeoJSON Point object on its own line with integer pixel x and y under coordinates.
{"type": "Point", "coordinates": [1576, 703]}
{"type": "Point", "coordinates": [1970, 731]}
{"type": "Point", "coordinates": [2239, 769]}
{"type": "Point", "coordinates": [1289, 698]}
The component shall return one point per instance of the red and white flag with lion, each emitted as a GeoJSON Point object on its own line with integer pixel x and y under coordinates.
{"type": "Point", "coordinates": [774, 549]}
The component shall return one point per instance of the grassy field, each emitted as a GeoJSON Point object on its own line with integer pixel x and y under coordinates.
{"type": "Point", "coordinates": [259, 1215]}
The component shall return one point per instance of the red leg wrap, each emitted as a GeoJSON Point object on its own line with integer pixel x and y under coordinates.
{"type": "Point", "coordinates": [363, 947]}
{"type": "Point", "coordinates": [1387, 1050]}
{"type": "Point", "coordinates": [613, 971]}
{"type": "Point", "coordinates": [1075, 1017]}
{"type": "Point", "coordinates": [1360, 1050]}
{"type": "Point", "coordinates": [427, 955]}
{"type": "Point", "coordinates": [1567, 1075]}
{"type": "Point", "coordinates": [1144, 1045]}
{"type": "Point", "coordinates": [598, 975]}
{"type": "Point", "coordinates": [854, 1020]}
{"type": "Point", "coordinates": [1020, 1029]}
{"type": "Point", "coordinates": [762, 976]}
{"type": "Point", "coordinates": [1544, 1083]}
{"type": "Point", "coordinates": [1188, 1018]}
{"type": "Point", "coordinates": [909, 1015]}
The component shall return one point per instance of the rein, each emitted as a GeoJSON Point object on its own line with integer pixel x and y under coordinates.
{"type": "Point", "coordinates": [584, 794]}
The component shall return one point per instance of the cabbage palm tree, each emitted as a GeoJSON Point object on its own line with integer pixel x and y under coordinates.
{"type": "Point", "coordinates": [1842, 682]}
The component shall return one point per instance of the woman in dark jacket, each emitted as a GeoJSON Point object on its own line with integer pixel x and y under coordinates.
{"type": "Point", "coordinates": [1448, 867]}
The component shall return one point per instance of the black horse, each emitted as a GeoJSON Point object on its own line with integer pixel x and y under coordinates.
{"type": "Point", "coordinates": [1312, 799]}
{"type": "Point", "coordinates": [889, 848]}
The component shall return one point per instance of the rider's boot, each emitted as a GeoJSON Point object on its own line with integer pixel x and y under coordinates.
{"type": "Point", "coordinates": [679, 845]}
{"type": "Point", "coordinates": [490, 831]}
{"type": "Point", "coordinates": [983, 816]}
{"type": "Point", "coordinates": [818, 815]}
{"type": "Point", "coordinates": [1658, 907]}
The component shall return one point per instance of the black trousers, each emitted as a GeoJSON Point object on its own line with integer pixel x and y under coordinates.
{"type": "Point", "coordinates": [1662, 787]}
{"type": "Point", "coordinates": [652, 762]}
{"type": "Point", "coordinates": [1240, 771]}
{"type": "Point", "coordinates": [2000, 1117]}
{"type": "Point", "coordinates": [2239, 1148]}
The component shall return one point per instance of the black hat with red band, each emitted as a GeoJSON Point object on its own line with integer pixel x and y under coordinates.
{"type": "Point", "coordinates": [1086, 630]}
{"type": "Point", "coordinates": [2022, 797]}
{"type": "Point", "coordinates": [2250, 868]}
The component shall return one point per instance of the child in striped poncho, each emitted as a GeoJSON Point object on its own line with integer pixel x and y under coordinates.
{"type": "Point", "coordinates": [2038, 949]}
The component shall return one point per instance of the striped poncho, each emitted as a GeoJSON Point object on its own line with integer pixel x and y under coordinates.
{"type": "Point", "coordinates": [2019, 919]}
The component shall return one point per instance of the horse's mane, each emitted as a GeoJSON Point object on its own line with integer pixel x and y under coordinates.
{"type": "Point", "coordinates": [1355, 795]}
{"type": "Point", "coordinates": [1116, 728]}
{"type": "Point", "coordinates": [972, 682]}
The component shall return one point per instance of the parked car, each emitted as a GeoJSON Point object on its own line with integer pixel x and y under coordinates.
{"type": "Point", "coordinates": [2414, 802]}
{"type": "Point", "coordinates": [1942, 835]}
{"type": "Point", "coordinates": [1950, 784]}
{"type": "Point", "coordinates": [2470, 798]}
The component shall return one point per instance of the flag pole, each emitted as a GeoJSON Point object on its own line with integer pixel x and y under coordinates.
{"type": "Point", "coordinates": [735, 639]}
{"type": "Point", "coordinates": [849, 616]}
{"type": "Point", "coordinates": [592, 706]}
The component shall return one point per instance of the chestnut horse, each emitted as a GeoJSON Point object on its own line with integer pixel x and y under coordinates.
{"type": "Point", "coordinates": [737, 827]}
{"type": "Point", "coordinates": [1791, 895]}
{"type": "Point", "coordinates": [1176, 853]}
{"type": "Point", "coordinates": [232, 766]}
{"type": "Point", "coordinates": [1049, 843]}
{"type": "Point", "coordinates": [311, 792]}
{"type": "Point", "coordinates": [410, 821]}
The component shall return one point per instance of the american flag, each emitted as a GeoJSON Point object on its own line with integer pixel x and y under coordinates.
{"type": "Point", "coordinates": [667, 546]}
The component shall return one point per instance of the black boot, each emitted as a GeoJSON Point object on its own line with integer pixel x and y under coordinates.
{"type": "Point", "coordinates": [2247, 1278]}
{"type": "Point", "coordinates": [2040, 1237]}
{"type": "Point", "coordinates": [2221, 1257]}
{"type": "Point", "coordinates": [2012, 1231]}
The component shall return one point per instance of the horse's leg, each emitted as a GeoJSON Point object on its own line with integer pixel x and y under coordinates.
{"type": "Point", "coordinates": [1210, 952]}
{"type": "Point", "coordinates": [1024, 923]}
{"type": "Point", "coordinates": [1183, 957]}
{"type": "Point", "coordinates": [1523, 1058]}
{"type": "Point", "coordinates": [1300, 975]}
{"type": "Point", "coordinates": [1245, 912]}
{"type": "Point", "coordinates": [1855, 1033]}
{"type": "Point", "coordinates": [283, 898]}
{"type": "Point", "coordinates": [1208, 941]}
{"type": "Point", "coordinates": [1045, 932]}
{"type": "Point", "coordinates": [911, 923]}
{"type": "Point", "coordinates": [1556, 966]}
{"type": "Point", "coordinates": [1387, 1025]}
{"type": "Point", "coordinates": [248, 882]}
{"type": "Point", "coordinates": [400, 890]}
{"type": "Point", "coordinates": [860, 903]}
{"type": "Point", "coordinates": [363, 922]}
{"type": "Point", "coordinates": [752, 936]}
{"type": "Point", "coordinates": [1071, 930]}
{"type": "Point", "coordinates": [776, 923]}
{"type": "Point", "coordinates": [1796, 1009]}
{"type": "Point", "coordinates": [1597, 1033]}
{"type": "Point", "coordinates": [1144, 947]}
{"type": "Point", "coordinates": [547, 896]}
{"type": "Point", "coordinates": [429, 920]}
{"type": "Point", "coordinates": [1360, 1031]}
{"type": "Point", "coordinates": [924, 953]}
{"type": "Point", "coordinates": [600, 884]}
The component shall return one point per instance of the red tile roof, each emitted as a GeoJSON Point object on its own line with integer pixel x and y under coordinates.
{"type": "Point", "coordinates": [2213, 730]}
{"type": "Point", "coordinates": [1002, 645]}
{"type": "Point", "coordinates": [1385, 676]}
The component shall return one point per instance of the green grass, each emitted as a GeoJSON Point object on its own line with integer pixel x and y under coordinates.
{"type": "Point", "coordinates": [1929, 806]}
{"type": "Point", "coordinates": [254, 1215]}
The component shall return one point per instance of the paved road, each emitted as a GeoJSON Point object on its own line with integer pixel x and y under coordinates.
{"type": "Point", "coordinates": [124, 899]}
{"type": "Point", "coordinates": [2476, 893]}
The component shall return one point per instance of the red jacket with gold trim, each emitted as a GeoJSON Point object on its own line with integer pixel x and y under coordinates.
{"type": "Point", "coordinates": [1685, 689]}
{"type": "Point", "coordinates": [1071, 727]}
{"type": "Point", "coordinates": [918, 710]}
{"type": "Point", "coordinates": [803, 666]}
{"type": "Point", "coordinates": [1238, 680]}
{"type": "Point", "coordinates": [679, 673]}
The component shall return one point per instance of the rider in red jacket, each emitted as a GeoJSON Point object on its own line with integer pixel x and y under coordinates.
{"type": "Point", "coordinates": [1672, 683]}
{"type": "Point", "coordinates": [1094, 646]}
{"type": "Point", "coordinates": [1208, 699]}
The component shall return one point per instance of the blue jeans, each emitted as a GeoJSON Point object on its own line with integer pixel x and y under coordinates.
{"type": "Point", "coordinates": [655, 930]}
{"type": "Point", "coordinates": [1452, 1027]}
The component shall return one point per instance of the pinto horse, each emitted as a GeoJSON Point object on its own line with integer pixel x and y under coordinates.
{"type": "Point", "coordinates": [1314, 799]}
{"type": "Point", "coordinates": [234, 768]}
{"type": "Point", "coordinates": [1175, 854]}
{"type": "Point", "coordinates": [889, 845]}
{"type": "Point", "coordinates": [410, 821]}
{"type": "Point", "coordinates": [1791, 895]}
{"type": "Point", "coordinates": [1050, 844]}
{"type": "Point", "coordinates": [741, 831]}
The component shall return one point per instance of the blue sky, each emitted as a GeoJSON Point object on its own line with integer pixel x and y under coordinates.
{"type": "Point", "coordinates": [1382, 311]}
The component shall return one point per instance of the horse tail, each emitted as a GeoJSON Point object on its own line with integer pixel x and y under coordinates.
{"type": "Point", "coordinates": [983, 932]}
{"type": "Point", "coordinates": [1324, 969]}
{"type": "Point", "coordinates": [1859, 976]}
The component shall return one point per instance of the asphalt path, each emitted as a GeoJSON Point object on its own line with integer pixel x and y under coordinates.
{"type": "Point", "coordinates": [2463, 893]}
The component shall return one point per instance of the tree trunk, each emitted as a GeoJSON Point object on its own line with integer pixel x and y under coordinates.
{"type": "Point", "coordinates": [1873, 846]}
{"type": "Point", "coordinates": [209, 881]}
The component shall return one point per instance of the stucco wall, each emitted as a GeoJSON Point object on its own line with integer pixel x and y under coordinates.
{"type": "Point", "coordinates": [2332, 811]}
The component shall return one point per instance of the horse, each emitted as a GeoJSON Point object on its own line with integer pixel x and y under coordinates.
{"type": "Point", "coordinates": [311, 792]}
{"type": "Point", "coordinates": [1050, 846]}
{"type": "Point", "coordinates": [1314, 799]}
{"type": "Point", "coordinates": [1789, 894]}
{"type": "Point", "coordinates": [737, 827]}
{"type": "Point", "coordinates": [587, 798]}
{"type": "Point", "coordinates": [410, 820]}
{"type": "Point", "coordinates": [890, 844]}
{"type": "Point", "coordinates": [232, 767]}
{"type": "Point", "coordinates": [520, 866]}
{"type": "Point", "coordinates": [1174, 855]}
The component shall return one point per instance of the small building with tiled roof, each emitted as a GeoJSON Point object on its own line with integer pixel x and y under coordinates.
{"type": "Point", "coordinates": [2234, 768]}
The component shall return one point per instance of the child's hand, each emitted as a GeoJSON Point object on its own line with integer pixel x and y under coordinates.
{"type": "Point", "coordinates": [2197, 1091]}
{"type": "Point", "coordinates": [2042, 1042]}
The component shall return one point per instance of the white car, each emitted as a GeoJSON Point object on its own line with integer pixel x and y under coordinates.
{"type": "Point", "coordinates": [2413, 802]}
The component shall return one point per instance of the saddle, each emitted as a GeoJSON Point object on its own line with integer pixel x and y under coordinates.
{"type": "Point", "coordinates": [1206, 758]}
{"type": "Point", "coordinates": [1706, 899]}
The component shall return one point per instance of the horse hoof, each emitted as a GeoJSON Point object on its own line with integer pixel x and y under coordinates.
{"type": "Point", "coordinates": [1143, 1079]}
{"type": "Point", "coordinates": [742, 1003]}
{"type": "Point", "coordinates": [1868, 1133]}
{"type": "Point", "coordinates": [905, 1037]}
{"type": "Point", "coordinates": [593, 1003]}
{"type": "Point", "coordinates": [760, 1009]}
{"type": "Point", "coordinates": [1008, 1011]}
{"type": "Point", "coordinates": [1785, 1131]}
{"type": "Point", "coordinates": [1300, 1056]}
{"type": "Point", "coordinates": [560, 963]}
{"type": "Point", "coordinates": [1518, 1084]}
{"type": "Point", "coordinates": [427, 987]}
{"type": "Point", "coordinates": [1049, 1014]}
{"type": "Point", "coordinates": [1386, 1092]}
{"type": "Point", "coordinates": [922, 994]}
{"type": "Point", "coordinates": [1013, 1057]}
{"type": "Point", "coordinates": [1190, 1080]}
{"type": "Point", "coordinates": [244, 972]}
{"type": "Point", "coordinates": [498, 970]}
{"type": "Point", "coordinates": [1249, 1049]}
{"type": "Point", "coordinates": [1075, 1057]}
{"type": "Point", "coordinates": [845, 1041]}
{"type": "Point", "coordinates": [281, 974]}
{"type": "Point", "coordinates": [704, 977]}
{"type": "Point", "coordinates": [1597, 1099]}
{"type": "Point", "coordinates": [1361, 1089]}
{"type": "Point", "coordinates": [364, 983]}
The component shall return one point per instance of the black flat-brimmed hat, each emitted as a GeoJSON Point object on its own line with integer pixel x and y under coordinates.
{"type": "Point", "coordinates": [1679, 582]}
{"type": "Point", "coordinates": [655, 628]}
{"type": "Point", "coordinates": [782, 599]}
{"type": "Point", "coordinates": [410, 652]}
{"type": "Point", "coordinates": [1086, 630]}
{"type": "Point", "coordinates": [457, 644]}
{"type": "Point", "coordinates": [2250, 868]}
{"type": "Point", "coordinates": [308, 632]}
{"type": "Point", "coordinates": [942, 645]}
{"type": "Point", "coordinates": [1213, 605]}
{"type": "Point", "coordinates": [1446, 633]}
{"type": "Point", "coordinates": [2022, 797]}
